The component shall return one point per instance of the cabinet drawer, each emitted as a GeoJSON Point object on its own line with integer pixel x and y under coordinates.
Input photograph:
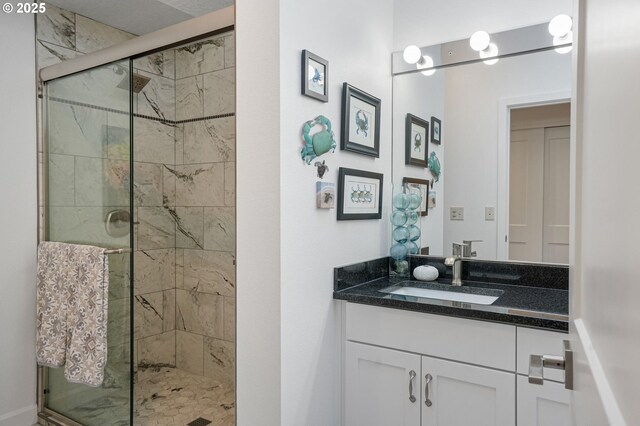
{"type": "Point", "coordinates": [539, 342]}
{"type": "Point", "coordinates": [476, 342]}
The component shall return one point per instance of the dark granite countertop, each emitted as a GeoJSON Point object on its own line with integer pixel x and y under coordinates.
{"type": "Point", "coordinates": [535, 306]}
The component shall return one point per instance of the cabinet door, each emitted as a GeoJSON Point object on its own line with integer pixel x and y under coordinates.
{"type": "Point", "coordinates": [377, 382]}
{"type": "Point", "coordinates": [546, 405]}
{"type": "Point", "coordinates": [462, 394]}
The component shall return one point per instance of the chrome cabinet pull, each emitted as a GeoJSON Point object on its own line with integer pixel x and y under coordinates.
{"type": "Point", "coordinates": [427, 380]}
{"type": "Point", "coordinates": [412, 375]}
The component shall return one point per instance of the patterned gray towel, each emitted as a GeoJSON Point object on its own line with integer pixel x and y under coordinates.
{"type": "Point", "coordinates": [72, 304]}
{"type": "Point", "coordinates": [51, 306]}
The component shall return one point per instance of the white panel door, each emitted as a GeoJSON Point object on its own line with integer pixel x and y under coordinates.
{"type": "Point", "coordinates": [543, 405]}
{"type": "Point", "coordinates": [604, 286]}
{"type": "Point", "coordinates": [377, 386]}
{"type": "Point", "coordinates": [526, 185]}
{"type": "Point", "coordinates": [555, 239]}
{"type": "Point", "coordinates": [462, 394]}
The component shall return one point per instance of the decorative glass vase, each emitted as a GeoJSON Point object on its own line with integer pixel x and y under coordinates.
{"type": "Point", "coordinates": [405, 234]}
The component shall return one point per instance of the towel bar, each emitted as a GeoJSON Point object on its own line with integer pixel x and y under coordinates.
{"type": "Point", "coordinates": [117, 251]}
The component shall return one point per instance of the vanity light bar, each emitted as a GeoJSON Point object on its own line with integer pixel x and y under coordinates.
{"type": "Point", "coordinates": [520, 41]}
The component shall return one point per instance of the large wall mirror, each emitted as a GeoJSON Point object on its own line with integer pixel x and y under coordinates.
{"type": "Point", "coordinates": [502, 124]}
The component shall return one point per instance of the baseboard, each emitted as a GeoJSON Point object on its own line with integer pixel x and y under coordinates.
{"type": "Point", "coordinates": [26, 416]}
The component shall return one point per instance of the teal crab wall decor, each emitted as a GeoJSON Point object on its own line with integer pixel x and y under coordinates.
{"type": "Point", "coordinates": [434, 166]}
{"type": "Point", "coordinates": [320, 142]}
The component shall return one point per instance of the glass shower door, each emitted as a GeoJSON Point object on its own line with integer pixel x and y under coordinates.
{"type": "Point", "coordinates": [88, 201]}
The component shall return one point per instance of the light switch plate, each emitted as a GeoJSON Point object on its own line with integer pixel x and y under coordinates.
{"type": "Point", "coordinates": [489, 213]}
{"type": "Point", "coordinates": [456, 213]}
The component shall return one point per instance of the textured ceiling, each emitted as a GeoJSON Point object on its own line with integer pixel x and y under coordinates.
{"type": "Point", "coordinates": [141, 16]}
{"type": "Point", "coordinates": [197, 7]}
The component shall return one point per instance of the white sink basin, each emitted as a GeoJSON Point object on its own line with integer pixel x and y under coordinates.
{"type": "Point", "coordinates": [479, 299]}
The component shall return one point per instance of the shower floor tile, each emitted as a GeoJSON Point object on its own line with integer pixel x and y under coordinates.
{"type": "Point", "coordinates": [172, 397]}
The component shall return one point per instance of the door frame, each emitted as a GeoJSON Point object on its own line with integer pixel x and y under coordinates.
{"type": "Point", "coordinates": [505, 105]}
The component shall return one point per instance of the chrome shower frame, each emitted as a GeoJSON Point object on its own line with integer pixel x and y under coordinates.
{"type": "Point", "coordinates": [213, 23]}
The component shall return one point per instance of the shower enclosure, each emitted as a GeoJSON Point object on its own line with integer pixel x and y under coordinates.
{"type": "Point", "coordinates": [138, 156]}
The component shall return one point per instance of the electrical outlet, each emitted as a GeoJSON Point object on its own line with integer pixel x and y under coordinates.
{"type": "Point", "coordinates": [456, 213]}
{"type": "Point", "coordinates": [489, 213]}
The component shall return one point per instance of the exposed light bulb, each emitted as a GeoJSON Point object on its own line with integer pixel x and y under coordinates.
{"type": "Point", "coordinates": [560, 25]}
{"type": "Point", "coordinates": [490, 52]}
{"type": "Point", "coordinates": [426, 63]}
{"type": "Point", "coordinates": [412, 54]}
{"type": "Point", "coordinates": [566, 39]}
{"type": "Point", "coordinates": [479, 40]}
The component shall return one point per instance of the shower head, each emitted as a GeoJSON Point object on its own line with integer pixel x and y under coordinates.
{"type": "Point", "coordinates": [138, 83]}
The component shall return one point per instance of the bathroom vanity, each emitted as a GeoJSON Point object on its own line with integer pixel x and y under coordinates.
{"type": "Point", "coordinates": [411, 361]}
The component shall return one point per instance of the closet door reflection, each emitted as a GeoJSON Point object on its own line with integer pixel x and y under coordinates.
{"type": "Point", "coordinates": [88, 201]}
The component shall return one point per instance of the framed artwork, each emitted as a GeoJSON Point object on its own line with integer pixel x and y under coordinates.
{"type": "Point", "coordinates": [325, 195]}
{"type": "Point", "coordinates": [117, 141]}
{"type": "Point", "coordinates": [436, 131]}
{"type": "Point", "coordinates": [315, 76]}
{"type": "Point", "coordinates": [421, 185]}
{"type": "Point", "coordinates": [359, 194]}
{"type": "Point", "coordinates": [360, 122]}
{"type": "Point", "coordinates": [431, 203]}
{"type": "Point", "coordinates": [416, 146]}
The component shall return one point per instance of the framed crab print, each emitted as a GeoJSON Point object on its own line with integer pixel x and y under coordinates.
{"type": "Point", "coordinates": [359, 194]}
{"type": "Point", "coordinates": [436, 131]}
{"type": "Point", "coordinates": [416, 141]}
{"type": "Point", "coordinates": [315, 76]}
{"type": "Point", "coordinates": [360, 122]}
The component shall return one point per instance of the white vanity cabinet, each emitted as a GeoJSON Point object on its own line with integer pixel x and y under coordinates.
{"type": "Point", "coordinates": [387, 387]}
{"type": "Point", "coordinates": [377, 383]}
{"type": "Point", "coordinates": [462, 394]}
{"type": "Point", "coordinates": [548, 405]}
{"type": "Point", "coordinates": [471, 372]}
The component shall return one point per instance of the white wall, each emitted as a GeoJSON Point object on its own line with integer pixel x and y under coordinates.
{"type": "Point", "coordinates": [258, 196]}
{"type": "Point", "coordinates": [18, 212]}
{"type": "Point", "coordinates": [358, 48]}
{"type": "Point", "coordinates": [470, 136]}
{"type": "Point", "coordinates": [424, 23]}
{"type": "Point", "coordinates": [423, 96]}
{"type": "Point", "coordinates": [606, 268]}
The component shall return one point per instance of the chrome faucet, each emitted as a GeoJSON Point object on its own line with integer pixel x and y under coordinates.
{"type": "Point", "coordinates": [467, 248]}
{"type": "Point", "coordinates": [455, 262]}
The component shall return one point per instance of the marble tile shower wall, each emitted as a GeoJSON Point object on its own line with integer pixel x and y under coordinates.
{"type": "Point", "coordinates": [205, 207]}
{"type": "Point", "coordinates": [154, 133]}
